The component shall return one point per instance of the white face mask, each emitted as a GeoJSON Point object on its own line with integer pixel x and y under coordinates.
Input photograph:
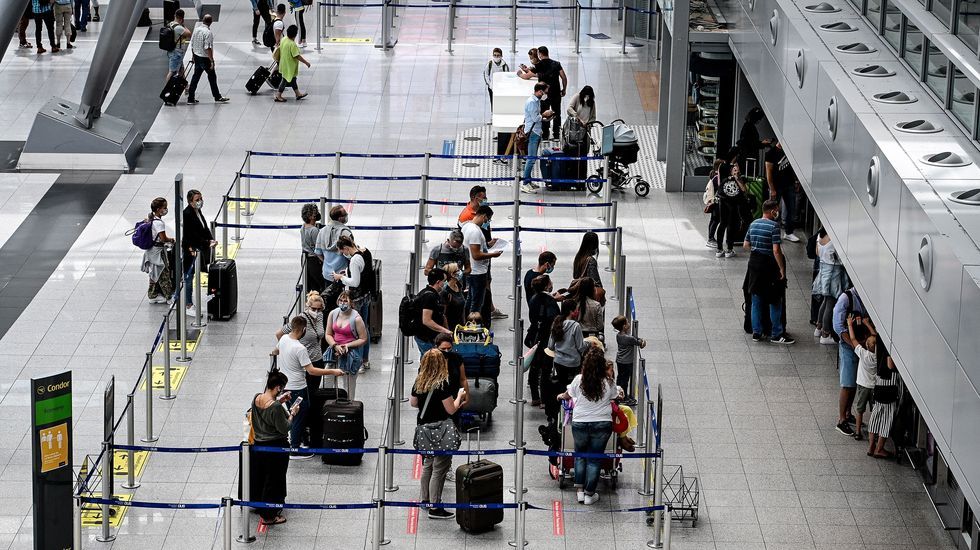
{"type": "Point", "coordinates": [544, 97]}
{"type": "Point", "coordinates": [497, 59]}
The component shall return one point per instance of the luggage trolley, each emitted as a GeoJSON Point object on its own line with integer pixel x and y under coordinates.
{"type": "Point", "coordinates": [682, 493]}
{"type": "Point", "coordinates": [608, 470]}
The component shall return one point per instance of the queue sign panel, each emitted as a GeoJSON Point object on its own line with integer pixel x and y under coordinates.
{"type": "Point", "coordinates": [51, 446]}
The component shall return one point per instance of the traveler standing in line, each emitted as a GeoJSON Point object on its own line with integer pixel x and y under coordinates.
{"type": "Point", "coordinates": [480, 256]}
{"type": "Point", "coordinates": [312, 340]}
{"type": "Point", "coordinates": [95, 11]}
{"type": "Point", "coordinates": [346, 335]}
{"type": "Point", "coordinates": [197, 240]}
{"type": "Point", "coordinates": [585, 263]}
{"type": "Point", "coordinates": [271, 424]}
{"type": "Point", "coordinates": [433, 311]}
{"type": "Point", "coordinates": [848, 305]}
{"type": "Point", "coordinates": [749, 143]}
{"type": "Point", "coordinates": [82, 15]}
{"type": "Point", "coordinates": [830, 283]}
{"type": "Point", "coordinates": [767, 273]}
{"type": "Point", "coordinates": [260, 10]}
{"type": "Point", "coordinates": [308, 235]}
{"type": "Point", "coordinates": [592, 392]}
{"type": "Point", "coordinates": [44, 13]}
{"type": "Point", "coordinates": [782, 187]}
{"type": "Point", "coordinates": [534, 119]}
{"type": "Point", "coordinates": [326, 249]}
{"type": "Point", "coordinates": [710, 200]}
{"type": "Point", "coordinates": [451, 251]}
{"type": "Point", "coordinates": [581, 107]}
{"type": "Point", "coordinates": [550, 72]}
{"type": "Point", "coordinates": [62, 22]}
{"type": "Point", "coordinates": [298, 7]}
{"type": "Point", "coordinates": [294, 361]}
{"type": "Point", "coordinates": [867, 365]}
{"type": "Point", "coordinates": [453, 297]}
{"type": "Point", "coordinates": [626, 345]}
{"type": "Point", "coordinates": [591, 311]}
{"type": "Point", "coordinates": [289, 59]}
{"type": "Point", "coordinates": [567, 342]}
{"type": "Point", "coordinates": [730, 200]}
{"type": "Point", "coordinates": [175, 57]}
{"type": "Point", "coordinates": [546, 264]}
{"type": "Point", "coordinates": [202, 48]}
{"type": "Point", "coordinates": [434, 398]}
{"type": "Point", "coordinates": [156, 263]}
{"type": "Point", "coordinates": [360, 282]}
{"type": "Point", "coordinates": [478, 198]}
{"type": "Point", "coordinates": [495, 65]}
{"type": "Point", "coordinates": [888, 391]}
{"type": "Point", "coordinates": [542, 311]}
{"type": "Point", "coordinates": [25, 21]}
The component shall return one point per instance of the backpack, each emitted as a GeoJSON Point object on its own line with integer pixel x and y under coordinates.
{"type": "Point", "coordinates": [168, 39]}
{"type": "Point", "coordinates": [142, 234]}
{"type": "Point", "coordinates": [369, 279]}
{"type": "Point", "coordinates": [410, 313]}
{"type": "Point", "coordinates": [269, 36]}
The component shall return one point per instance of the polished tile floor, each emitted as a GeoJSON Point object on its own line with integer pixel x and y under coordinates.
{"type": "Point", "coordinates": [753, 422]}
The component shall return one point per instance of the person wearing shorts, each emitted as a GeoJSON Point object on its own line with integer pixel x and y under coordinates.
{"type": "Point", "coordinates": [848, 309]}
{"type": "Point", "coordinates": [175, 57]}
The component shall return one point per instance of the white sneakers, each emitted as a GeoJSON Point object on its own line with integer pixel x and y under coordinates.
{"type": "Point", "coordinates": [827, 340]}
{"type": "Point", "coordinates": [791, 237]}
{"type": "Point", "coordinates": [585, 499]}
{"type": "Point", "coordinates": [816, 333]}
{"type": "Point", "coordinates": [580, 496]}
{"type": "Point", "coordinates": [529, 188]}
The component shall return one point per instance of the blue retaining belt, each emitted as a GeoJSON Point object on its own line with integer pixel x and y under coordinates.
{"type": "Point", "coordinates": [271, 505]}
{"type": "Point", "coordinates": [452, 453]}
{"type": "Point", "coordinates": [453, 505]}
{"type": "Point", "coordinates": [141, 504]}
{"type": "Point", "coordinates": [314, 451]}
{"type": "Point", "coordinates": [573, 454]}
{"type": "Point", "coordinates": [227, 449]}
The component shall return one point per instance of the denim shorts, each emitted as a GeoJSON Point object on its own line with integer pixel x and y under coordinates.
{"type": "Point", "coordinates": [176, 60]}
{"type": "Point", "coordinates": [848, 365]}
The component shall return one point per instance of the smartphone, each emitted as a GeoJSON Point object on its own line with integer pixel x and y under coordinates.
{"type": "Point", "coordinates": [298, 401]}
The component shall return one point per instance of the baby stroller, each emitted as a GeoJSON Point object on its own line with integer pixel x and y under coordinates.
{"type": "Point", "coordinates": [610, 467]}
{"type": "Point", "coordinates": [624, 152]}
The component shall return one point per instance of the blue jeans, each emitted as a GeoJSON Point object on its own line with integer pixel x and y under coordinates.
{"type": "Point", "coordinates": [533, 142]}
{"type": "Point", "coordinates": [848, 365]}
{"type": "Point", "coordinates": [477, 285]}
{"type": "Point", "coordinates": [590, 437]}
{"type": "Point", "coordinates": [175, 60]}
{"type": "Point", "coordinates": [296, 428]}
{"type": "Point", "coordinates": [787, 195]}
{"type": "Point", "coordinates": [364, 310]}
{"type": "Point", "coordinates": [81, 14]}
{"type": "Point", "coordinates": [775, 316]}
{"type": "Point", "coordinates": [423, 345]}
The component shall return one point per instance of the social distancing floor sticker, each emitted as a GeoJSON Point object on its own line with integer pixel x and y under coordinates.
{"type": "Point", "coordinates": [248, 208]}
{"type": "Point", "coordinates": [177, 373]}
{"type": "Point", "coordinates": [92, 513]}
{"type": "Point", "coordinates": [120, 462]}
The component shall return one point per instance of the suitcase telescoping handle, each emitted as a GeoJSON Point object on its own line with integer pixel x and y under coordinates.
{"type": "Point", "coordinates": [336, 386]}
{"type": "Point", "coordinates": [469, 446]}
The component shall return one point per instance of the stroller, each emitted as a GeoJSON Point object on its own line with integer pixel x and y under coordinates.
{"type": "Point", "coordinates": [624, 152]}
{"type": "Point", "coordinates": [610, 467]}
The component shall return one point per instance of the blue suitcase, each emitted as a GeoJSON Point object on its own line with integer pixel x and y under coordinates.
{"type": "Point", "coordinates": [479, 360]}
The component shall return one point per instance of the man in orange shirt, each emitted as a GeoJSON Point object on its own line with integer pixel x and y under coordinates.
{"type": "Point", "coordinates": [478, 197]}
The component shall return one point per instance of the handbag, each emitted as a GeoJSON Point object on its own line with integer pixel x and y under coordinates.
{"type": "Point", "coordinates": [621, 423]}
{"type": "Point", "coordinates": [521, 139]}
{"type": "Point", "coordinates": [573, 131]}
{"type": "Point", "coordinates": [436, 436]}
{"type": "Point", "coordinates": [528, 358]}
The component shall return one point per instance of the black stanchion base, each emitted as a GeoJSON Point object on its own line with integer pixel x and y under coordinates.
{"type": "Point", "coordinates": [245, 540]}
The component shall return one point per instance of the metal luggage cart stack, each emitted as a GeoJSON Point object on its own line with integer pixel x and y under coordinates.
{"type": "Point", "coordinates": [681, 493]}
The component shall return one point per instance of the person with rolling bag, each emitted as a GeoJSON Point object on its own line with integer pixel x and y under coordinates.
{"type": "Point", "coordinates": [343, 417]}
{"type": "Point", "coordinates": [173, 40]}
{"type": "Point", "coordinates": [432, 394]}
{"type": "Point", "coordinates": [480, 482]}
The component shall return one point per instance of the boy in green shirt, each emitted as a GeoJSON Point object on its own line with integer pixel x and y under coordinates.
{"type": "Point", "coordinates": [289, 59]}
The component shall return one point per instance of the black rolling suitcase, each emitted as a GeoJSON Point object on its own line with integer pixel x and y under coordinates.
{"type": "Point", "coordinates": [319, 398]}
{"type": "Point", "coordinates": [576, 169]}
{"type": "Point", "coordinates": [175, 88]}
{"type": "Point", "coordinates": [258, 78]}
{"type": "Point", "coordinates": [223, 289]}
{"type": "Point", "coordinates": [343, 428]}
{"type": "Point", "coordinates": [480, 482]}
{"type": "Point", "coordinates": [503, 140]}
{"type": "Point", "coordinates": [376, 311]}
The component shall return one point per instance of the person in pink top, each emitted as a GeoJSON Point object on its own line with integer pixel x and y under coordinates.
{"type": "Point", "coordinates": [345, 334]}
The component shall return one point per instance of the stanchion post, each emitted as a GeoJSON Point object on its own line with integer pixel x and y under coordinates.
{"type": "Point", "coordinates": [385, 29]}
{"type": "Point", "coordinates": [420, 223]}
{"type": "Point", "coordinates": [76, 524]}
{"type": "Point", "coordinates": [302, 276]}
{"type": "Point", "coordinates": [326, 202]}
{"type": "Point", "coordinates": [319, 27]}
{"type": "Point", "coordinates": [248, 177]}
{"type": "Point", "coordinates": [182, 325]}
{"type": "Point", "coordinates": [622, 13]}
{"type": "Point", "coordinates": [648, 463]}
{"type": "Point", "coordinates": [577, 25]}
{"type": "Point", "coordinates": [107, 471]}
{"type": "Point", "coordinates": [166, 361]}
{"type": "Point", "coordinates": [387, 461]}
{"type": "Point", "coordinates": [658, 500]}
{"type": "Point", "coordinates": [199, 321]}
{"type": "Point", "coordinates": [611, 220]}
{"type": "Point", "coordinates": [238, 208]}
{"type": "Point", "coordinates": [329, 21]}
{"type": "Point", "coordinates": [621, 284]}
{"type": "Point", "coordinates": [513, 26]}
{"type": "Point", "coordinates": [519, 518]}
{"type": "Point", "coordinates": [413, 274]}
{"type": "Point", "coordinates": [406, 345]}
{"type": "Point", "coordinates": [245, 452]}
{"type": "Point", "coordinates": [452, 23]}
{"type": "Point", "coordinates": [149, 398]}
{"type": "Point", "coordinates": [641, 406]}
{"type": "Point", "coordinates": [618, 248]}
{"type": "Point", "coordinates": [131, 482]}
{"type": "Point", "coordinates": [226, 521]}
{"type": "Point", "coordinates": [668, 512]}
{"type": "Point", "coordinates": [425, 187]}
{"type": "Point", "coordinates": [335, 183]}
{"type": "Point", "coordinates": [224, 229]}
{"type": "Point", "coordinates": [379, 518]}
{"type": "Point", "coordinates": [607, 185]}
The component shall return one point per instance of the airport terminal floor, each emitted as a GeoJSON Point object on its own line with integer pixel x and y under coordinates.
{"type": "Point", "coordinates": [753, 422]}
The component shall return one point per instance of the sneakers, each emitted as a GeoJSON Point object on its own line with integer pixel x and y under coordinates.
{"type": "Point", "coordinates": [529, 188]}
{"type": "Point", "coordinates": [451, 475]}
{"type": "Point", "coordinates": [756, 337]}
{"type": "Point", "coordinates": [784, 339]}
{"type": "Point", "coordinates": [222, 99]}
{"type": "Point", "coordinates": [629, 402]}
{"type": "Point", "coordinates": [729, 253]}
{"type": "Point", "coordinates": [365, 366]}
{"type": "Point", "coordinates": [158, 300]}
{"type": "Point", "coordinates": [580, 496]}
{"type": "Point", "coordinates": [591, 499]}
{"type": "Point", "coordinates": [720, 254]}
{"type": "Point", "coordinates": [497, 314]}
{"type": "Point", "coordinates": [192, 101]}
{"type": "Point", "coordinates": [300, 457]}
{"type": "Point", "coordinates": [791, 237]}
{"type": "Point", "coordinates": [711, 243]}
{"type": "Point", "coordinates": [827, 340]}
{"type": "Point", "coordinates": [845, 429]}
{"type": "Point", "coordinates": [817, 332]}
{"type": "Point", "coordinates": [256, 41]}
{"type": "Point", "coordinates": [440, 513]}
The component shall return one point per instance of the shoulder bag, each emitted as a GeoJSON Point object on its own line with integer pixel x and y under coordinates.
{"type": "Point", "coordinates": [436, 436]}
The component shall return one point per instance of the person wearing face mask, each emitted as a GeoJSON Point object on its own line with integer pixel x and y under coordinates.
{"type": "Point", "coordinates": [312, 340]}
{"type": "Point", "coordinates": [534, 120]}
{"type": "Point", "coordinates": [294, 361]}
{"type": "Point", "coordinates": [156, 262]}
{"type": "Point", "coordinates": [197, 240]}
{"type": "Point", "coordinates": [450, 252]}
{"type": "Point", "coordinates": [346, 335]}
{"type": "Point", "coordinates": [766, 277]}
{"type": "Point", "coordinates": [566, 345]}
{"type": "Point", "coordinates": [433, 311]}
{"type": "Point", "coordinates": [495, 65]}
{"type": "Point", "coordinates": [360, 282]}
{"type": "Point", "coordinates": [542, 310]}
{"type": "Point", "coordinates": [546, 265]}
{"type": "Point", "coordinates": [453, 296]}
{"type": "Point", "coordinates": [730, 198]}
{"type": "Point", "coordinates": [307, 237]}
{"type": "Point", "coordinates": [550, 72]}
{"type": "Point", "coordinates": [473, 238]}
{"type": "Point", "coordinates": [271, 423]}
{"type": "Point", "coordinates": [326, 250]}
{"type": "Point", "coordinates": [478, 198]}
{"type": "Point", "coordinates": [585, 263]}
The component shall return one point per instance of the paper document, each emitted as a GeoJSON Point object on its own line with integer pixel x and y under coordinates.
{"type": "Point", "coordinates": [501, 244]}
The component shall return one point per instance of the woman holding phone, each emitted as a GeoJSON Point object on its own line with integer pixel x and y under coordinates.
{"type": "Point", "coordinates": [270, 422]}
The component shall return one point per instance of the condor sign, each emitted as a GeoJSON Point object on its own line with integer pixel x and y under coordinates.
{"type": "Point", "coordinates": [52, 459]}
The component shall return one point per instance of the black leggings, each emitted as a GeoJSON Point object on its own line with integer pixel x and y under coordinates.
{"type": "Point", "coordinates": [48, 18]}
{"type": "Point", "coordinates": [302, 24]}
{"type": "Point", "coordinates": [268, 477]}
{"type": "Point", "coordinates": [729, 222]}
{"type": "Point", "coordinates": [263, 7]}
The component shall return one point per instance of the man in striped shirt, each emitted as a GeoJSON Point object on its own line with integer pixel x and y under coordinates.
{"type": "Point", "coordinates": [767, 273]}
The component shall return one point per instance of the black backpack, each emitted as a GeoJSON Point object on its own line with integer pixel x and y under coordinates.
{"type": "Point", "coordinates": [168, 39]}
{"type": "Point", "coordinates": [269, 37]}
{"type": "Point", "coordinates": [369, 279]}
{"type": "Point", "coordinates": [410, 313]}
